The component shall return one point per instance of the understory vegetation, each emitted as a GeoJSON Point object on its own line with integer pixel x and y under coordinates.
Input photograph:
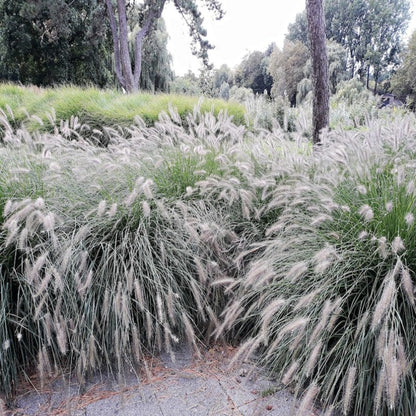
{"type": "Point", "coordinates": [94, 108]}
{"type": "Point", "coordinates": [197, 228]}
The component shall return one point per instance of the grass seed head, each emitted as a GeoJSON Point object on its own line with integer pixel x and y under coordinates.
{"type": "Point", "coordinates": [366, 212]}
{"type": "Point", "coordinates": [307, 402]}
{"type": "Point", "coordinates": [288, 376]}
{"type": "Point", "coordinates": [297, 271]}
{"type": "Point", "coordinates": [349, 389]}
{"type": "Point", "coordinates": [384, 303]}
{"type": "Point", "coordinates": [397, 245]}
{"type": "Point", "coordinates": [313, 358]}
{"type": "Point", "coordinates": [409, 218]}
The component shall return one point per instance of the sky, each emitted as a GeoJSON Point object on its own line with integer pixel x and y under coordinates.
{"type": "Point", "coordinates": [247, 26]}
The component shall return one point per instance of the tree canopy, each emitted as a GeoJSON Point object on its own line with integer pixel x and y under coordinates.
{"type": "Point", "coordinates": [287, 66]}
{"type": "Point", "coordinates": [253, 71]}
{"type": "Point", "coordinates": [403, 82]}
{"type": "Point", "coordinates": [48, 42]}
{"type": "Point", "coordinates": [156, 73]}
{"type": "Point", "coordinates": [320, 78]}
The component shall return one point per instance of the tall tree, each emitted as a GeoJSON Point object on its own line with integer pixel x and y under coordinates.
{"type": "Point", "coordinates": [253, 71]}
{"type": "Point", "coordinates": [403, 83]}
{"type": "Point", "coordinates": [286, 67]}
{"type": "Point", "coordinates": [316, 30]}
{"type": "Point", "coordinates": [156, 73]}
{"type": "Point", "coordinates": [384, 43]}
{"type": "Point", "coordinates": [46, 42]}
{"type": "Point", "coordinates": [128, 66]}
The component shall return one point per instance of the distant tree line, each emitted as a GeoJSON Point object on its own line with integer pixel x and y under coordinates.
{"type": "Point", "coordinates": [364, 42]}
{"type": "Point", "coordinates": [45, 42]}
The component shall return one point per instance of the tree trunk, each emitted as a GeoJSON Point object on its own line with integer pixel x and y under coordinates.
{"type": "Point", "coordinates": [116, 43]}
{"type": "Point", "coordinates": [124, 48]}
{"type": "Point", "coordinates": [129, 78]}
{"type": "Point", "coordinates": [320, 81]}
{"type": "Point", "coordinates": [376, 76]}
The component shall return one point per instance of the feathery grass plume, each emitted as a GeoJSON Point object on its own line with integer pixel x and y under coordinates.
{"type": "Point", "coordinates": [407, 284]}
{"type": "Point", "coordinates": [33, 275]}
{"type": "Point", "coordinates": [43, 284]}
{"type": "Point", "coordinates": [409, 218]}
{"type": "Point", "coordinates": [297, 325]}
{"type": "Point", "coordinates": [389, 206]}
{"type": "Point", "coordinates": [393, 381]}
{"type": "Point", "coordinates": [136, 345]}
{"type": "Point", "coordinates": [313, 357]}
{"type": "Point", "coordinates": [366, 212]}
{"type": "Point", "coordinates": [139, 294]}
{"type": "Point", "coordinates": [12, 231]}
{"type": "Point", "coordinates": [243, 350]}
{"type": "Point", "coordinates": [381, 342]}
{"type": "Point", "coordinates": [324, 258]}
{"type": "Point", "coordinates": [402, 358]}
{"type": "Point", "coordinates": [92, 352]}
{"type": "Point", "coordinates": [61, 335]}
{"type": "Point", "coordinates": [8, 207]}
{"type": "Point", "coordinates": [160, 313]}
{"type": "Point", "coordinates": [307, 402]}
{"type": "Point", "coordinates": [23, 238]}
{"type": "Point", "coordinates": [288, 376]}
{"type": "Point", "coordinates": [363, 322]}
{"type": "Point", "coordinates": [327, 309]}
{"type": "Point", "coordinates": [49, 222]}
{"type": "Point", "coordinates": [146, 209]}
{"type": "Point", "coordinates": [362, 189]}
{"type": "Point", "coordinates": [349, 388]}
{"type": "Point", "coordinates": [397, 245]}
{"type": "Point", "coordinates": [189, 332]}
{"type": "Point", "coordinates": [385, 301]}
{"type": "Point", "coordinates": [297, 271]}
{"type": "Point", "coordinates": [254, 195]}
{"type": "Point", "coordinates": [382, 247]}
{"type": "Point", "coordinates": [411, 188]}
{"type": "Point", "coordinates": [259, 272]}
{"type": "Point", "coordinates": [149, 327]}
{"type": "Point", "coordinates": [321, 219]}
{"type": "Point", "coordinates": [101, 208]}
{"type": "Point", "coordinates": [363, 235]}
{"type": "Point", "coordinates": [268, 313]}
{"type": "Point", "coordinates": [381, 383]}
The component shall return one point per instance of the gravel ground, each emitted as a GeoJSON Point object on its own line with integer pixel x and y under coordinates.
{"type": "Point", "coordinates": [189, 385]}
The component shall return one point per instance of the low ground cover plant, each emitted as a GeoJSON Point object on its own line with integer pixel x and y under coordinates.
{"type": "Point", "coordinates": [44, 108]}
{"type": "Point", "coordinates": [186, 231]}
